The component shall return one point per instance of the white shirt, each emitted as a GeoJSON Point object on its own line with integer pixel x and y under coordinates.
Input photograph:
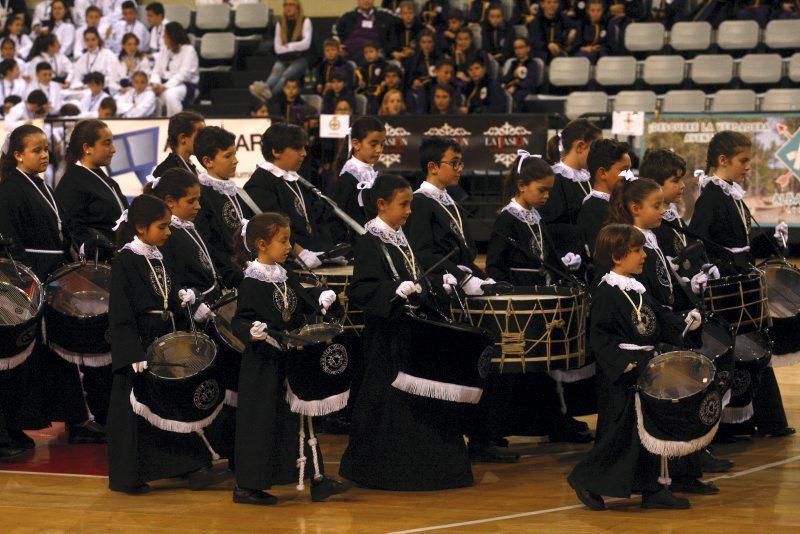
{"type": "Point", "coordinates": [121, 28]}
{"type": "Point", "coordinates": [61, 65]}
{"type": "Point", "coordinates": [101, 60]}
{"type": "Point", "coordinates": [53, 92]}
{"type": "Point", "coordinates": [90, 105]}
{"type": "Point", "coordinates": [131, 105]}
{"type": "Point", "coordinates": [80, 46]}
{"type": "Point", "coordinates": [157, 37]}
{"type": "Point", "coordinates": [41, 13]}
{"type": "Point", "coordinates": [112, 9]}
{"type": "Point", "coordinates": [172, 69]}
{"type": "Point", "coordinates": [296, 46]}
{"type": "Point", "coordinates": [65, 31]}
{"type": "Point", "coordinates": [122, 73]}
{"type": "Point", "coordinates": [79, 10]}
{"type": "Point", "coordinates": [17, 116]}
{"type": "Point", "coordinates": [12, 87]}
{"type": "Point", "coordinates": [23, 44]}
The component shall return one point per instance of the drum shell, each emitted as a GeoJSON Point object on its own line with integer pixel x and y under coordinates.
{"type": "Point", "coordinates": [338, 279]}
{"type": "Point", "coordinates": [321, 371]}
{"type": "Point", "coordinates": [717, 343]}
{"type": "Point", "coordinates": [19, 280]}
{"type": "Point", "coordinates": [81, 335]}
{"type": "Point", "coordinates": [16, 338]}
{"type": "Point", "coordinates": [752, 355]}
{"type": "Point", "coordinates": [740, 300]}
{"type": "Point", "coordinates": [783, 295]}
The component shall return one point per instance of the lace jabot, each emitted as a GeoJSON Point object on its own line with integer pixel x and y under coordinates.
{"type": "Point", "coordinates": [731, 189]}
{"type": "Point", "coordinates": [440, 195]}
{"type": "Point", "coordinates": [289, 176]}
{"type": "Point", "coordinates": [574, 175]}
{"type": "Point", "coordinates": [598, 194]}
{"type": "Point", "coordinates": [223, 187]}
{"type": "Point", "coordinates": [651, 241]}
{"type": "Point", "coordinates": [363, 172]}
{"type": "Point", "coordinates": [625, 283]}
{"type": "Point", "coordinates": [177, 222]}
{"type": "Point", "coordinates": [266, 273]}
{"type": "Point", "coordinates": [530, 216]}
{"type": "Point", "coordinates": [137, 246]}
{"type": "Point", "coordinates": [671, 214]}
{"type": "Point", "coordinates": [386, 233]}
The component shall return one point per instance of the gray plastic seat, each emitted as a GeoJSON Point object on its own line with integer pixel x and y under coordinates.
{"type": "Point", "coordinates": [684, 101]}
{"type": "Point", "coordinates": [782, 34]}
{"type": "Point", "coordinates": [733, 100]}
{"type": "Point", "coordinates": [211, 17]}
{"type": "Point", "coordinates": [635, 101]}
{"type": "Point", "coordinates": [616, 70]}
{"type": "Point", "coordinates": [251, 17]}
{"type": "Point", "coordinates": [690, 36]}
{"type": "Point", "coordinates": [315, 101]}
{"type": "Point", "coordinates": [582, 102]}
{"type": "Point", "coordinates": [664, 70]}
{"type": "Point", "coordinates": [738, 35]}
{"type": "Point", "coordinates": [708, 69]}
{"type": "Point", "coordinates": [761, 68]}
{"type": "Point", "coordinates": [644, 37]}
{"type": "Point", "coordinates": [180, 13]}
{"type": "Point", "coordinates": [569, 72]}
{"type": "Point", "coordinates": [218, 46]}
{"type": "Point", "coordinates": [781, 100]}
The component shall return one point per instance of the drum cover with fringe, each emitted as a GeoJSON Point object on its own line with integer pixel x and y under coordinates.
{"type": "Point", "coordinates": [752, 354]}
{"type": "Point", "coordinates": [318, 378]}
{"type": "Point", "coordinates": [21, 301]}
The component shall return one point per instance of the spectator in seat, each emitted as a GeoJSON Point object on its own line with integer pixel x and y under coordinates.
{"type": "Point", "coordinates": [364, 23]}
{"type": "Point", "coordinates": [129, 24]}
{"type": "Point", "coordinates": [15, 30]}
{"type": "Point", "coordinates": [392, 79]}
{"type": "Point", "coordinates": [9, 102]}
{"type": "Point", "coordinates": [463, 53]}
{"type": "Point", "coordinates": [443, 101]}
{"type": "Point", "coordinates": [420, 67]}
{"type": "Point", "coordinates": [94, 19]}
{"type": "Point", "coordinates": [107, 109]}
{"type": "Point", "coordinates": [496, 34]}
{"type": "Point", "coordinates": [524, 12]}
{"type": "Point", "coordinates": [60, 24]}
{"type": "Point", "coordinates": [131, 61]}
{"type": "Point", "coordinates": [433, 14]}
{"type": "Point", "coordinates": [482, 94]}
{"type": "Point", "coordinates": [175, 74]}
{"type": "Point", "coordinates": [44, 83]}
{"type": "Point", "coordinates": [756, 10]}
{"type": "Point", "coordinates": [35, 106]}
{"type": "Point", "coordinates": [47, 48]}
{"type": "Point", "coordinates": [331, 62]}
{"type": "Point", "coordinates": [551, 33]}
{"type": "Point", "coordinates": [288, 104]}
{"type": "Point", "coordinates": [591, 39]}
{"type": "Point", "coordinates": [370, 73]}
{"type": "Point", "coordinates": [419, 101]}
{"type": "Point", "coordinates": [620, 14]}
{"type": "Point", "coordinates": [392, 104]}
{"type": "Point", "coordinates": [293, 34]}
{"type": "Point", "coordinates": [138, 100]}
{"type": "Point", "coordinates": [478, 9]}
{"type": "Point", "coordinates": [90, 103]}
{"type": "Point", "coordinates": [339, 89]}
{"type": "Point", "coordinates": [157, 21]}
{"type": "Point", "coordinates": [8, 50]}
{"type": "Point", "coordinates": [11, 82]}
{"type": "Point", "coordinates": [789, 10]}
{"type": "Point", "coordinates": [447, 37]}
{"type": "Point", "coordinates": [522, 73]}
{"type": "Point", "coordinates": [404, 40]}
{"type": "Point", "coordinates": [97, 58]}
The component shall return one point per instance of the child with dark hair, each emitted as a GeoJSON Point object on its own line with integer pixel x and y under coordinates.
{"type": "Point", "coordinates": [447, 37]}
{"type": "Point", "coordinates": [524, 12]}
{"type": "Point", "coordinates": [433, 14]}
{"type": "Point", "coordinates": [35, 106]}
{"type": "Point", "coordinates": [339, 88]}
{"type": "Point", "coordinates": [44, 83]}
{"type": "Point", "coordinates": [107, 109]}
{"type": "Point", "coordinates": [463, 52]}
{"type": "Point", "coordinates": [139, 100]}
{"type": "Point", "coordinates": [131, 61]}
{"type": "Point", "coordinates": [9, 102]}
{"type": "Point", "coordinates": [60, 24]}
{"type": "Point", "coordinates": [419, 68]}
{"type": "Point", "coordinates": [592, 32]}
{"type": "Point", "coordinates": [370, 73]}
{"type": "Point", "coordinates": [176, 72]}
{"type": "Point", "coordinates": [129, 24]}
{"type": "Point", "coordinates": [668, 169]}
{"type": "Point", "coordinates": [392, 80]}
{"type": "Point", "coordinates": [47, 48]}
{"type": "Point", "coordinates": [443, 100]}
{"type": "Point", "coordinates": [497, 34]}
{"type": "Point", "coordinates": [404, 38]}
{"type": "Point", "coordinates": [289, 105]}
{"type": "Point", "coordinates": [331, 62]}
{"type": "Point", "coordinates": [181, 133]}
{"type": "Point", "coordinates": [521, 74]}
{"type": "Point", "coordinates": [93, 20]}
{"type": "Point", "coordinates": [11, 82]}
{"type": "Point", "coordinates": [551, 33]}
{"type": "Point", "coordinates": [482, 94]}
{"type": "Point", "coordinates": [156, 20]}
{"type": "Point", "coordinates": [14, 30]}
{"type": "Point", "coordinates": [97, 58]}
{"type": "Point", "coordinates": [90, 103]}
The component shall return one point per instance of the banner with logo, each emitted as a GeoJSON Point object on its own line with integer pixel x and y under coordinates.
{"type": "Point", "coordinates": [773, 185]}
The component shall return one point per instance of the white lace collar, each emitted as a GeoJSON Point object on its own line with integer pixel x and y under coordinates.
{"type": "Point", "coordinates": [266, 273]}
{"type": "Point", "coordinates": [223, 187]}
{"type": "Point", "coordinates": [671, 214]}
{"type": "Point", "coordinates": [177, 222]}
{"type": "Point", "coordinates": [649, 237]}
{"type": "Point", "coordinates": [732, 189]}
{"type": "Point", "coordinates": [575, 175]}
{"type": "Point", "coordinates": [529, 216]}
{"type": "Point", "coordinates": [386, 233]}
{"type": "Point", "coordinates": [363, 172]}
{"type": "Point", "coordinates": [598, 194]}
{"type": "Point", "coordinates": [440, 195]}
{"type": "Point", "coordinates": [137, 246]}
{"type": "Point", "coordinates": [625, 283]}
{"type": "Point", "coordinates": [289, 176]}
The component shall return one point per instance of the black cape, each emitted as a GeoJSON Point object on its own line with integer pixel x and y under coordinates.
{"type": "Point", "coordinates": [502, 256]}
{"type": "Point", "coordinates": [592, 217]}
{"type": "Point", "coordinates": [173, 161]}
{"type": "Point", "coordinates": [345, 193]}
{"type": "Point", "coordinates": [560, 213]}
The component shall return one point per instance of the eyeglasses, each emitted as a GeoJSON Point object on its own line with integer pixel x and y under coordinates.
{"type": "Point", "coordinates": [456, 164]}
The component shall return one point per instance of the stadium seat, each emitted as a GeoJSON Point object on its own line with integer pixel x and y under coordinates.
{"type": "Point", "coordinates": [635, 101]}
{"type": "Point", "coordinates": [540, 62]}
{"type": "Point", "coordinates": [690, 36]}
{"type": "Point", "coordinates": [569, 72]}
{"type": "Point", "coordinates": [793, 72]}
{"type": "Point", "coordinates": [251, 17]}
{"type": "Point", "coordinates": [579, 103]}
{"type": "Point", "coordinates": [218, 46]}
{"type": "Point", "coordinates": [180, 13]}
{"type": "Point", "coordinates": [644, 37]}
{"type": "Point", "coordinates": [733, 100]}
{"type": "Point", "coordinates": [712, 69]}
{"type": "Point", "coordinates": [212, 17]}
{"type": "Point", "coordinates": [664, 70]}
{"type": "Point", "coordinates": [761, 68]}
{"type": "Point", "coordinates": [682, 101]}
{"type": "Point", "coordinates": [781, 100]}
{"type": "Point", "coordinates": [782, 34]}
{"type": "Point", "coordinates": [361, 104]}
{"type": "Point", "coordinates": [315, 101]}
{"type": "Point", "coordinates": [619, 70]}
{"type": "Point", "coordinates": [738, 35]}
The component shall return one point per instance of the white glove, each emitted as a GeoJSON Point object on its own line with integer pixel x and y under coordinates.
{"type": "Point", "coordinates": [673, 264]}
{"type": "Point", "coordinates": [310, 258]}
{"type": "Point", "coordinates": [490, 281]}
{"type": "Point", "coordinates": [782, 233]}
{"type": "Point", "coordinates": [258, 332]}
{"type": "Point", "coordinates": [712, 271]}
{"type": "Point", "coordinates": [572, 261]}
{"type": "Point", "coordinates": [187, 297]}
{"type": "Point", "coordinates": [405, 289]}
{"type": "Point", "coordinates": [448, 281]}
{"type": "Point", "coordinates": [138, 367]}
{"type": "Point", "coordinates": [203, 313]}
{"type": "Point", "coordinates": [694, 320]}
{"type": "Point", "coordinates": [699, 282]}
{"type": "Point", "coordinates": [326, 299]}
{"type": "Point", "coordinates": [472, 286]}
{"type": "Point", "coordinates": [630, 367]}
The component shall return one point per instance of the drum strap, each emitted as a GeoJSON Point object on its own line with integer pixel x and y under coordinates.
{"type": "Point", "coordinates": [248, 200]}
{"type": "Point", "coordinates": [43, 251]}
{"type": "Point", "coordinates": [390, 262]}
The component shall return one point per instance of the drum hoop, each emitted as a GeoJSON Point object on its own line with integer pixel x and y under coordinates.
{"type": "Point", "coordinates": [34, 280]}
{"type": "Point", "coordinates": [77, 266]}
{"type": "Point", "coordinates": [663, 356]}
{"type": "Point", "coordinates": [182, 334]}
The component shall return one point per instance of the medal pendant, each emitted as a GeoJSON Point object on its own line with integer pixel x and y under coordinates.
{"type": "Point", "coordinates": [165, 315]}
{"type": "Point", "coordinates": [308, 228]}
{"type": "Point", "coordinates": [286, 315]}
{"type": "Point", "coordinates": [641, 327]}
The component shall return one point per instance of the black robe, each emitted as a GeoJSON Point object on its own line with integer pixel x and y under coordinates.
{"type": "Point", "coordinates": [671, 241]}
{"type": "Point", "coordinates": [398, 441]}
{"type": "Point", "coordinates": [91, 208]}
{"type": "Point", "coordinates": [618, 464]}
{"type": "Point", "coordinates": [657, 278]}
{"type": "Point", "coordinates": [272, 193]}
{"type": "Point", "coordinates": [266, 430]}
{"type": "Point", "coordinates": [217, 221]}
{"type": "Point", "coordinates": [591, 219]}
{"type": "Point", "coordinates": [173, 161]}
{"type": "Point", "coordinates": [345, 193]}
{"type": "Point", "coordinates": [138, 451]}
{"type": "Point", "coordinates": [503, 256]}
{"type": "Point", "coordinates": [560, 213]}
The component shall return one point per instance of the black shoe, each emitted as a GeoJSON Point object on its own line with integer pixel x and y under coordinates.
{"type": "Point", "coordinates": [570, 435]}
{"type": "Point", "coordinates": [571, 422]}
{"type": "Point", "coordinates": [249, 496]}
{"type": "Point", "coordinates": [665, 500]}
{"type": "Point", "coordinates": [491, 454]}
{"type": "Point", "coordinates": [11, 453]}
{"type": "Point", "coordinates": [141, 489]}
{"type": "Point", "coordinates": [20, 439]}
{"type": "Point", "coordinates": [205, 477]}
{"type": "Point", "coordinates": [324, 487]}
{"type": "Point", "coordinates": [592, 501]}
{"type": "Point", "coordinates": [776, 432]}
{"type": "Point", "coordinates": [88, 432]}
{"type": "Point", "coordinates": [711, 464]}
{"type": "Point", "coordinates": [694, 486]}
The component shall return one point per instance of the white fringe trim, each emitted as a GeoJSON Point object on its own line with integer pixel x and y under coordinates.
{"type": "Point", "coordinates": [670, 449]}
{"type": "Point", "coordinates": [231, 398]}
{"type": "Point", "coordinates": [316, 408]}
{"type": "Point", "coordinates": [171, 425]}
{"type": "Point", "coordinates": [733, 415]}
{"type": "Point", "coordinates": [87, 358]}
{"type": "Point", "coordinates": [784, 360]}
{"type": "Point", "coordinates": [436, 390]}
{"type": "Point", "coordinates": [573, 375]}
{"type": "Point", "coordinates": [6, 364]}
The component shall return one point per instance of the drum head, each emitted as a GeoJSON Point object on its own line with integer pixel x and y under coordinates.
{"type": "Point", "coordinates": [676, 375]}
{"type": "Point", "coordinates": [82, 292]}
{"type": "Point", "coordinates": [752, 347]}
{"type": "Point", "coordinates": [20, 293]}
{"type": "Point", "coordinates": [783, 290]}
{"type": "Point", "coordinates": [192, 353]}
{"type": "Point", "coordinates": [717, 338]}
{"type": "Point", "coordinates": [223, 320]}
{"type": "Point", "coordinates": [317, 333]}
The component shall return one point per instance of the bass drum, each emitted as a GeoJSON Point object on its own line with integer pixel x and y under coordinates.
{"type": "Point", "coordinates": [783, 299]}
{"type": "Point", "coordinates": [752, 355]}
{"type": "Point", "coordinates": [717, 343]}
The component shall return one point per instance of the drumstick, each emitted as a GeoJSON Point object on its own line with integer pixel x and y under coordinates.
{"type": "Point", "coordinates": [166, 364]}
{"type": "Point", "coordinates": [227, 299]}
{"type": "Point", "coordinates": [430, 270]}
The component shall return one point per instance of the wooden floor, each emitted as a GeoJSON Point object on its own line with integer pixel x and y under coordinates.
{"type": "Point", "coordinates": [761, 494]}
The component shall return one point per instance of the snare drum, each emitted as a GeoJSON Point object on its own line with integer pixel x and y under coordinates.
{"type": "Point", "coordinates": [740, 300]}
{"type": "Point", "coordinates": [678, 405]}
{"type": "Point", "coordinates": [753, 353]}
{"type": "Point", "coordinates": [21, 301]}
{"type": "Point", "coordinates": [783, 297]}
{"type": "Point", "coordinates": [76, 312]}
{"type": "Point", "coordinates": [184, 396]}
{"type": "Point", "coordinates": [717, 343]}
{"type": "Point", "coordinates": [536, 329]}
{"type": "Point", "coordinates": [223, 320]}
{"type": "Point", "coordinates": [338, 279]}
